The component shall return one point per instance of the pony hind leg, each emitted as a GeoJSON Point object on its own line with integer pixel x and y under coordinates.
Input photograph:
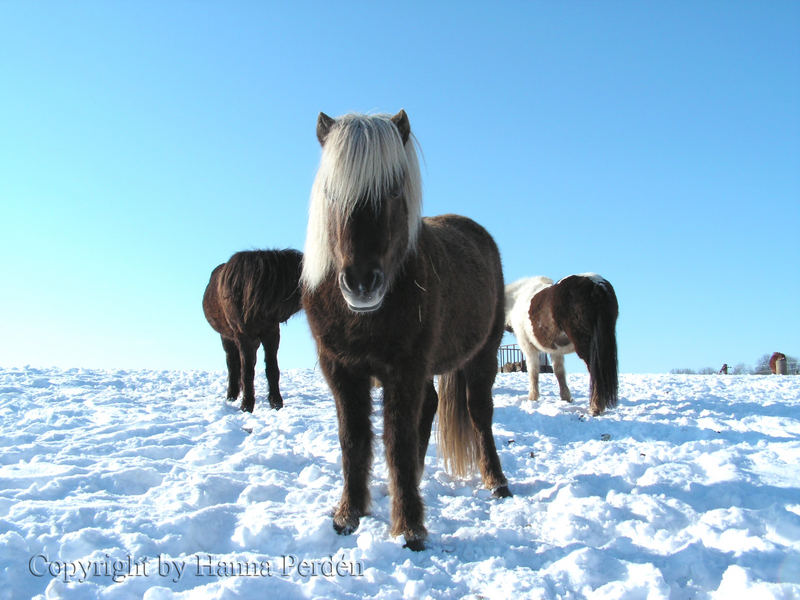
{"type": "Point", "coordinates": [480, 374]}
{"type": "Point", "coordinates": [430, 402]}
{"type": "Point", "coordinates": [247, 356]}
{"type": "Point", "coordinates": [270, 341]}
{"type": "Point", "coordinates": [561, 377]}
{"type": "Point", "coordinates": [351, 391]}
{"type": "Point", "coordinates": [234, 367]}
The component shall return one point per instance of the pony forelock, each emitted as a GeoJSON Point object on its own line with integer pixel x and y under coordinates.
{"type": "Point", "coordinates": [363, 159]}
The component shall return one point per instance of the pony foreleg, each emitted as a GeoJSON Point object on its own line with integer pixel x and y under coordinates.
{"type": "Point", "coordinates": [351, 391]}
{"type": "Point", "coordinates": [561, 377]}
{"type": "Point", "coordinates": [271, 341]}
{"type": "Point", "coordinates": [402, 405]}
{"type": "Point", "coordinates": [532, 360]}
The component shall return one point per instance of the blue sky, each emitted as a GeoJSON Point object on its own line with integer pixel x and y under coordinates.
{"type": "Point", "coordinates": [142, 143]}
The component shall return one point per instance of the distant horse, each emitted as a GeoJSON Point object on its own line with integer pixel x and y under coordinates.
{"type": "Point", "coordinates": [245, 300]}
{"type": "Point", "coordinates": [392, 295]}
{"type": "Point", "coordinates": [577, 314]}
{"type": "Point", "coordinates": [773, 361]}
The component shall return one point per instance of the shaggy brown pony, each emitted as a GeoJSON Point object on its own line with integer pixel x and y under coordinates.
{"type": "Point", "coordinates": [577, 314]}
{"type": "Point", "coordinates": [391, 295]}
{"type": "Point", "coordinates": [245, 300]}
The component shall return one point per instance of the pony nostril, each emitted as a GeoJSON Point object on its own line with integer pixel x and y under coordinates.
{"type": "Point", "coordinates": [377, 279]}
{"type": "Point", "coordinates": [346, 280]}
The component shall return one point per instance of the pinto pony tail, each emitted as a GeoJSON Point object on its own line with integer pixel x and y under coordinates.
{"type": "Point", "coordinates": [603, 363]}
{"type": "Point", "coordinates": [458, 442]}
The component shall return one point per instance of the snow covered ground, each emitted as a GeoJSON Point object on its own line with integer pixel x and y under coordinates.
{"type": "Point", "coordinates": [146, 484]}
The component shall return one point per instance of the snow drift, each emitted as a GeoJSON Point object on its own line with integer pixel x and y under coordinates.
{"type": "Point", "coordinates": [146, 484]}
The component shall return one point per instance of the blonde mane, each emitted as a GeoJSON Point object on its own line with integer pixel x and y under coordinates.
{"type": "Point", "coordinates": [363, 160]}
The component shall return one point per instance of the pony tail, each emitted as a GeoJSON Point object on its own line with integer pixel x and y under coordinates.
{"type": "Point", "coordinates": [258, 285]}
{"type": "Point", "coordinates": [226, 289]}
{"type": "Point", "coordinates": [251, 292]}
{"type": "Point", "coordinates": [603, 363]}
{"type": "Point", "coordinates": [458, 443]}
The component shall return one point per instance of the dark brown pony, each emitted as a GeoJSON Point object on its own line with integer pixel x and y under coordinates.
{"type": "Point", "coordinates": [245, 301]}
{"type": "Point", "coordinates": [577, 314]}
{"type": "Point", "coordinates": [391, 295]}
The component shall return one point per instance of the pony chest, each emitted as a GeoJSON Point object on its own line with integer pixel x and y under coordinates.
{"type": "Point", "coordinates": [383, 336]}
{"type": "Point", "coordinates": [365, 344]}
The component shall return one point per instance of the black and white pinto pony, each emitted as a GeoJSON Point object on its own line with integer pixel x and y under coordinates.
{"type": "Point", "coordinates": [577, 314]}
{"type": "Point", "coordinates": [392, 295]}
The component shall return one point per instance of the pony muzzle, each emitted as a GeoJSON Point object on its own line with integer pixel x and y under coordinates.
{"type": "Point", "coordinates": [363, 289]}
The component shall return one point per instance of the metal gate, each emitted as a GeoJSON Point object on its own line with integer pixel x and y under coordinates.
{"type": "Point", "coordinates": [510, 358]}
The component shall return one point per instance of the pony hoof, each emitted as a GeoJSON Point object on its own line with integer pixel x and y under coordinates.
{"type": "Point", "coordinates": [276, 402]}
{"type": "Point", "coordinates": [502, 492]}
{"type": "Point", "coordinates": [415, 545]}
{"type": "Point", "coordinates": [247, 407]}
{"type": "Point", "coordinates": [415, 539]}
{"type": "Point", "coordinates": [345, 527]}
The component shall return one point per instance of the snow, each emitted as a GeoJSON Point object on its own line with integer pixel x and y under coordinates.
{"type": "Point", "coordinates": [147, 484]}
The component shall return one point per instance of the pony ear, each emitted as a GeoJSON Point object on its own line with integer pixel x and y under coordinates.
{"type": "Point", "coordinates": [401, 122]}
{"type": "Point", "coordinates": [324, 124]}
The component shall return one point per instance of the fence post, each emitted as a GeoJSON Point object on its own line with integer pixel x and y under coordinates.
{"type": "Point", "coordinates": [780, 366]}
